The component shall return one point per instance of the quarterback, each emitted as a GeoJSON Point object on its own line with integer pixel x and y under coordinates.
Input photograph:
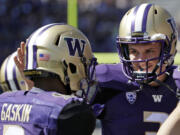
{"type": "Point", "coordinates": [140, 92]}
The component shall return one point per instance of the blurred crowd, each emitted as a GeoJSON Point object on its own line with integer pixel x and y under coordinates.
{"type": "Point", "coordinates": [19, 18]}
{"type": "Point", "coordinates": [98, 19]}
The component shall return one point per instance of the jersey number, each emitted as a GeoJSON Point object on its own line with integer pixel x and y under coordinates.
{"type": "Point", "coordinates": [13, 130]}
{"type": "Point", "coordinates": [154, 117]}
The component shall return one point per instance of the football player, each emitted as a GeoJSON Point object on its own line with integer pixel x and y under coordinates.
{"type": "Point", "coordinates": [59, 60]}
{"type": "Point", "coordinates": [140, 92]}
{"type": "Point", "coordinates": [11, 79]}
{"type": "Point", "coordinates": [172, 123]}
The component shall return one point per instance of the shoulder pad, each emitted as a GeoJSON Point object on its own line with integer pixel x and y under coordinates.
{"type": "Point", "coordinates": [176, 76]}
{"type": "Point", "coordinates": [12, 93]}
{"type": "Point", "coordinates": [53, 97]}
{"type": "Point", "coordinates": [112, 76]}
{"type": "Point", "coordinates": [109, 72]}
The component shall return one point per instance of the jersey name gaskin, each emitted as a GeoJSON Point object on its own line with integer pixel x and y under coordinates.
{"type": "Point", "coordinates": [15, 112]}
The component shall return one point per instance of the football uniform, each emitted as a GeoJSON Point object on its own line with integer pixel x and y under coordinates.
{"type": "Point", "coordinates": [130, 110]}
{"type": "Point", "coordinates": [38, 112]}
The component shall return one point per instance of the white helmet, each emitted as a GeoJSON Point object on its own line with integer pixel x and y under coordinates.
{"type": "Point", "coordinates": [10, 77]}
{"type": "Point", "coordinates": [147, 23]}
{"type": "Point", "coordinates": [62, 51]}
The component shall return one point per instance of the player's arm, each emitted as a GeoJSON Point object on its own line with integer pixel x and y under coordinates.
{"type": "Point", "coordinates": [172, 124]}
{"type": "Point", "coordinates": [76, 118]}
{"type": "Point", "coordinates": [19, 61]}
{"type": "Point", "coordinates": [104, 94]}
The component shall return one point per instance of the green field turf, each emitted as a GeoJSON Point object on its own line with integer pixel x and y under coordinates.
{"type": "Point", "coordinates": [114, 58]}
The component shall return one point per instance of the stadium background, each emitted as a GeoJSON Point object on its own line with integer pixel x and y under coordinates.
{"type": "Point", "coordinates": [98, 19]}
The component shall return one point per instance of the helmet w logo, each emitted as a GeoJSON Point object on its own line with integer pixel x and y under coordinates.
{"type": "Point", "coordinates": [75, 45]}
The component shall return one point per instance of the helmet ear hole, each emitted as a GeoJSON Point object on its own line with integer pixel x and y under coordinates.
{"type": "Point", "coordinates": [57, 41]}
{"type": "Point", "coordinates": [155, 11]}
{"type": "Point", "coordinates": [72, 68]}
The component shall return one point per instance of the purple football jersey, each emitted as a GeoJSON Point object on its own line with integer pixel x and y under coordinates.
{"type": "Point", "coordinates": [131, 111]}
{"type": "Point", "coordinates": [31, 113]}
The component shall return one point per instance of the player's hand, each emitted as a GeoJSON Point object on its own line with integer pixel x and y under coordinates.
{"type": "Point", "coordinates": [19, 61]}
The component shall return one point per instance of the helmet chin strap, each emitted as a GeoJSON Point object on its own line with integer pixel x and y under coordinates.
{"type": "Point", "coordinates": [67, 86]}
{"type": "Point", "coordinates": [144, 75]}
{"type": "Point", "coordinates": [177, 92]}
{"type": "Point", "coordinates": [165, 85]}
{"type": "Point", "coordinates": [156, 68]}
{"type": "Point", "coordinates": [67, 80]}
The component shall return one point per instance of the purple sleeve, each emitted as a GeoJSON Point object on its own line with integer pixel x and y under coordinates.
{"type": "Point", "coordinates": [176, 76]}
